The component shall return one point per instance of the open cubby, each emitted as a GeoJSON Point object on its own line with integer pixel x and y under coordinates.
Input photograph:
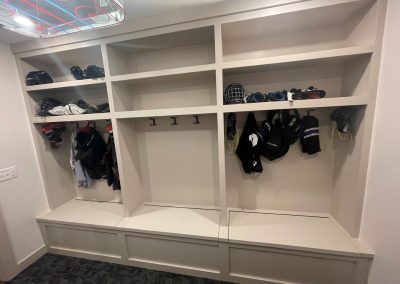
{"type": "Point", "coordinates": [175, 164]}
{"type": "Point", "coordinates": [92, 94]}
{"type": "Point", "coordinates": [298, 181]}
{"type": "Point", "coordinates": [185, 90]}
{"type": "Point", "coordinates": [339, 77]}
{"type": "Point", "coordinates": [58, 64]}
{"type": "Point", "coordinates": [58, 175]}
{"type": "Point", "coordinates": [330, 27]}
{"type": "Point", "coordinates": [172, 50]}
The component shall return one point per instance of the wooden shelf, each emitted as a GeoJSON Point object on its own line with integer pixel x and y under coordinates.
{"type": "Point", "coordinates": [299, 104]}
{"type": "Point", "coordinates": [300, 57]}
{"type": "Point", "coordinates": [88, 213]}
{"type": "Point", "coordinates": [174, 221]}
{"type": "Point", "coordinates": [163, 73]}
{"type": "Point", "coordinates": [72, 118]}
{"type": "Point", "coordinates": [61, 85]}
{"type": "Point", "coordinates": [167, 112]}
{"type": "Point", "coordinates": [288, 231]}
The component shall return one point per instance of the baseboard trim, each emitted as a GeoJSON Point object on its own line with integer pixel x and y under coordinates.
{"type": "Point", "coordinates": [30, 259]}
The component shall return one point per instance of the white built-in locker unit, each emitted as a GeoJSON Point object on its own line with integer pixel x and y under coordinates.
{"type": "Point", "coordinates": [186, 206]}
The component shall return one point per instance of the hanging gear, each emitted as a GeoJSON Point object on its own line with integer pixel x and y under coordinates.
{"type": "Point", "coordinates": [249, 146]}
{"type": "Point", "coordinates": [342, 119]}
{"type": "Point", "coordinates": [81, 177]}
{"type": "Point", "coordinates": [111, 161]}
{"type": "Point", "coordinates": [53, 131]}
{"type": "Point", "coordinates": [90, 151]}
{"type": "Point", "coordinates": [291, 125]}
{"type": "Point", "coordinates": [275, 144]}
{"type": "Point", "coordinates": [309, 135]}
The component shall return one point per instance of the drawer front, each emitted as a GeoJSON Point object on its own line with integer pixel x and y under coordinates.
{"type": "Point", "coordinates": [286, 267]}
{"type": "Point", "coordinates": [175, 253]}
{"type": "Point", "coordinates": [102, 243]}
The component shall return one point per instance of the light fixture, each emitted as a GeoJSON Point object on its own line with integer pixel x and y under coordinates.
{"type": "Point", "coordinates": [48, 18]}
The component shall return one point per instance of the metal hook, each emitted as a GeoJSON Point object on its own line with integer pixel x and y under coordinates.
{"type": "Point", "coordinates": [153, 121]}
{"type": "Point", "coordinates": [174, 120]}
{"type": "Point", "coordinates": [196, 121]}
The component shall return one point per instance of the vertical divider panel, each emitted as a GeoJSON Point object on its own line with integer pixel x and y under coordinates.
{"type": "Point", "coordinates": [108, 78]}
{"type": "Point", "coordinates": [128, 164]}
{"type": "Point", "coordinates": [221, 136]}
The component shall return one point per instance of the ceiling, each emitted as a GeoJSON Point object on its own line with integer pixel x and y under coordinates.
{"type": "Point", "coordinates": [135, 9]}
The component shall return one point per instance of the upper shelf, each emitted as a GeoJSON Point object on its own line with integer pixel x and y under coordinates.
{"type": "Point", "coordinates": [304, 58]}
{"type": "Point", "coordinates": [299, 104]}
{"type": "Point", "coordinates": [297, 232]}
{"type": "Point", "coordinates": [163, 73]}
{"type": "Point", "coordinates": [167, 112]}
{"type": "Point", "coordinates": [71, 118]}
{"type": "Point", "coordinates": [62, 85]}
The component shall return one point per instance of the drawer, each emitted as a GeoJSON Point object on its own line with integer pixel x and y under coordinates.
{"type": "Point", "coordinates": [173, 252]}
{"type": "Point", "coordinates": [283, 266]}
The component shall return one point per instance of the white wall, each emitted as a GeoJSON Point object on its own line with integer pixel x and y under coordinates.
{"type": "Point", "coordinates": [381, 219]}
{"type": "Point", "coordinates": [23, 198]}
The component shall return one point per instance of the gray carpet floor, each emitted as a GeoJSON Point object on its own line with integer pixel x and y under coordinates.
{"type": "Point", "coordinates": [57, 269]}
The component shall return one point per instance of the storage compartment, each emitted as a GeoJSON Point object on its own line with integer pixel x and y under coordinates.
{"type": "Point", "coordinates": [175, 91]}
{"type": "Point", "coordinates": [344, 76]}
{"type": "Point", "coordinates": [169, 163]}
{"type": "Point", "coordinates": [93, 95]}
{"type": "Point", "coordinates": [173, 50]}
{"type": "Point", "coordinates": [57, 171]}
{"type": "Point", "coordinates": [298, 181]}
{"type": "Point", "coordinates": [288, 267]}
{"type": "Point", "coordinates": [323, 28]}
{"type": "Point", "coordinates": [82, 241]}
{"type": "Point", "coordinates": [176, 253]}
{"type": "Point", "coordinates": [58, 64]}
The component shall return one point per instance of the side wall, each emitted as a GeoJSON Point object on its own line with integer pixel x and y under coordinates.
{"type": "Point", "coordinates": [23, 198]}
{"type": "Point", "coordinates": [380, 226]}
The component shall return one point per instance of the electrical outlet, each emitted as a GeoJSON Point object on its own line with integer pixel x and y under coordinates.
{"type": "Point", "coordinates": [9, 173]}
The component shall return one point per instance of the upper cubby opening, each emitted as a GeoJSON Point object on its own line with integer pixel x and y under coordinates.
{"type": "Point", "coordinates": [344, 76]}
{"type": "Point", "coordinates": [323, 28]}
{"type": "Point", "coordinates": [173, 50]}
{"type": "Point", "coordinates": [183, 90]}
{"type": "Point", "coordinates": [58, 64]}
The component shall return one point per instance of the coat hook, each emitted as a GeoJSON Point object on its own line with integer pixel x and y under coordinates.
{"type": "Point", "coordinates": [174, 120]}
{"type": "Point", "coordinates": [309, 111]}
{"type": "Point", "coordinates": [196, 119]}
{"type": "Point", "coordinates": [153, 121]}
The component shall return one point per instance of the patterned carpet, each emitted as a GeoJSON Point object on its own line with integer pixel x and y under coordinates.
{"type": "Point", "coordinates": [57, 269]}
